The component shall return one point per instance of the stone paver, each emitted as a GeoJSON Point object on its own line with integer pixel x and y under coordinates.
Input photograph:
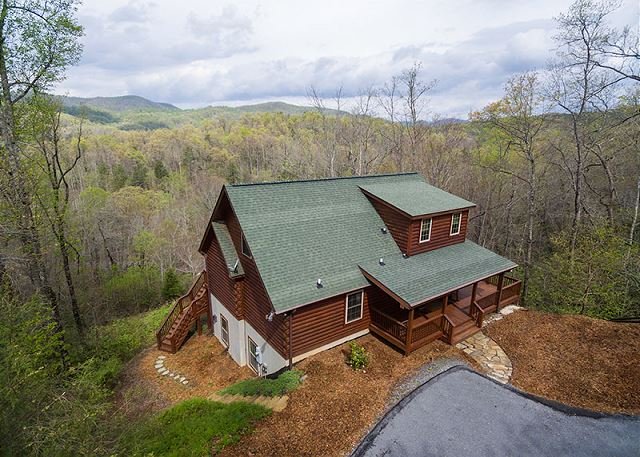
{"type": "Point", "coordinates": [164, 371]}
{"type": "Point", "coordinates": [487, 352]}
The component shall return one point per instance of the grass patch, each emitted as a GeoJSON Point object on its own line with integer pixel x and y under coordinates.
{"type": "Point", "coordinates": [193, 428]}
{"type": "Point", "coordinates": [286, 382]}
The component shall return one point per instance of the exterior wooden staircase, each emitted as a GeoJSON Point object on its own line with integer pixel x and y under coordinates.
{"type": "Point", "coordinates": [187, 310]}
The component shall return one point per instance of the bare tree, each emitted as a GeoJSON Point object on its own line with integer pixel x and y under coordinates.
{"type": "Point", "coordinates": [521, 116]}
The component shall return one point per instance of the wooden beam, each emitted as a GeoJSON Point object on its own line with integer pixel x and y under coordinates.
{"type": "Point", "coordinates": [445, 302]}
{"type": "Point", "coordinates": [473, 294]}
{"type": "Point", "coordinates": [499, 294]}
{"type": "Point", "coordinates": [407, 345]}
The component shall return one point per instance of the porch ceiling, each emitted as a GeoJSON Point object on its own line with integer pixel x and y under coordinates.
{"type": "Point", "coordinates": [422, 277]}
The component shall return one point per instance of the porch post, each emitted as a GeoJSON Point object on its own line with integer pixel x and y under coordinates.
{"type": "Point", "coordinates": [407, 345]}
{"type": "Point", "coordinates": [500, 282]}
{"type": "Point", "coordinates": [473, 294]}
{"type": "Point", "coordinates": [445, 302]}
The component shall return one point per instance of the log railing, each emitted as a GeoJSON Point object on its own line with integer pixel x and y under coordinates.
{"type": "Point", "coordinates": [447, 328]}
{"type": "Point", "coordinates": [510, 291]}
{"type": "Point", "coordinates": [388, 324]}
{"type": "Point", "coordinates": [426, 329]}
{"type": "Point", "coordinates": [180, 305]}
{"type": "Point", "coordinates": [477, 313]}
{"type": "Point", "coordinates": [487, 301]}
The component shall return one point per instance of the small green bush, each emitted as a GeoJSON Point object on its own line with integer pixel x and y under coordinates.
{"type": "Point", "coordinates": [358, 357]}
{"type": "Point", "coordinates": [134, 290]}
{"type": "Point", "coordinates": [195, 427]}
{"type": "Point", "coordinates": [172, 286]}
{"type": "Point", "coordinates": [286, 382]}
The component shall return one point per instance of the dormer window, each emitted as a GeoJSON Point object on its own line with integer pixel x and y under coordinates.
{"type": "Point", "coordinates": [455, 224]}
{"type": "Point", "coordinates": [425, 230]}
{"type": "Point", "coordinates": [245, 247]}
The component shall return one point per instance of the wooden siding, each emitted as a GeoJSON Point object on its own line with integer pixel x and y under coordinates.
{"type": "Point", "coordinates": [323, 322]}
{"type": "Point", "coordinates": [220, 284]}
{"type": "Point", "coordinates": [256, 304]}
{"type": "Point", "coordinates": [440, 229]}
{"type": "Point", "coordinates": [397, 223]}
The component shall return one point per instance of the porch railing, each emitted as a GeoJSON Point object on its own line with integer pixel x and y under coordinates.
{"type": "Point", "coordinates": [389, 325]}
{"type": "Point", "coordinates": [477, 313]}
{"type": "Point", "coordinates": [427, 329]}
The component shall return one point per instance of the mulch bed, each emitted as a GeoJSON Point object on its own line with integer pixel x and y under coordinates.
{"type": "Point", "coordinates": [336, 405]}
{"type": "Point", "coordinates": [577, 360]}
{"type": "Point", "coordinates": [202, 359]}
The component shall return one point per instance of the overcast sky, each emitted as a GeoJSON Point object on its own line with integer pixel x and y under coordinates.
{"type": "Point", "coordinates": [194, 53]}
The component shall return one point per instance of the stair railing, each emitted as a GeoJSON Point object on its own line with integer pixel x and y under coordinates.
{"type": "Point", "coordinates": [180, 305]}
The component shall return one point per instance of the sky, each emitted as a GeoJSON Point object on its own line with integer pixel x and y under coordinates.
{"type": "Point", "coordinates": [194, 53]}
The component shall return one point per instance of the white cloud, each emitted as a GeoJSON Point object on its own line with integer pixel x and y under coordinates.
{"type": "Point", "coordinates": [193, 53]}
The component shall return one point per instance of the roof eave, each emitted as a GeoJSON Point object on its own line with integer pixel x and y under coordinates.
{"type": "Point", "coordinates": [201, 247]}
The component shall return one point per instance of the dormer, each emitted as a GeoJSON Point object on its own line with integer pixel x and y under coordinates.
{"type": "Point", "coordinates": [420, 217]}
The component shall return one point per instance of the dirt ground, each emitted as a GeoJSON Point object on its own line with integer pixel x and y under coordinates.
{"type": "Point", "coordinates": [336, 405]}
{"type": "Point", "coordinates": [203, 360]}
{"type": "Point", "coordinates": [580, 361]}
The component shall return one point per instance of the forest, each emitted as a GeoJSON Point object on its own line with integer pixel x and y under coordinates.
{"type": "Point", "coordinates": [100, 219]}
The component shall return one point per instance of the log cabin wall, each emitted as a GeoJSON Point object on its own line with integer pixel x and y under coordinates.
{"type": "Point", "coordinates": [256, 304]}
{"type": "Point", "coordinates": [220, 284]}
{"type": "Point", "coordinates": [323, 322]}
{"type": "Point", "coordinates": [397, 222]}
{"type": "Point", "coordinates": [440, 229]}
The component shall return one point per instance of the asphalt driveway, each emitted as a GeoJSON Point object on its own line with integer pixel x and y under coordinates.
{"type": "Point", "coordinates": [461, 413]}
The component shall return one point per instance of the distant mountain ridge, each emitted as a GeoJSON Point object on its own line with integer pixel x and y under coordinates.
{"type": "Point", "coordinates": [117, 104]}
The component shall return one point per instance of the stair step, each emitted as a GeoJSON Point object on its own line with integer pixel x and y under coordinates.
{"type": "Point", "coordinates": [463, 335]}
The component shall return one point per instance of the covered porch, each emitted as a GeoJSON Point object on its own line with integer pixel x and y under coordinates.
{"type": "Point", "coordinates": [452, 317]}
{"type": "Point", "coordinates": [441, 294]}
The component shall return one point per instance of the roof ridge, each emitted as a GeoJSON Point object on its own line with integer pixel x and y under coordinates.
{"type": "Point", "coordinates": [335, 178]}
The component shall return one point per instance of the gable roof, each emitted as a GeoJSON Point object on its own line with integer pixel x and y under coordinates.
{"type": "Point", "coordinates": [416, 197]}
{"type": "Point", "coordinates": [417, 279]}
{"type": "Point", "coordinates": [228, 249]}
{"type": "Point", "coordinates": [302, 231]}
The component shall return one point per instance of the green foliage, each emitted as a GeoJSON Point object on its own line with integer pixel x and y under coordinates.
{"type": "Point", "coordinates": [172, 286]}
{"type": "Point", "coordinates": [286, 382]}
{"type": "Point", "coordinates": [195, 427]}
{"type": "Point", "coordinates": [134, 289]}
{"type": "Point", "coordinates": [602, 280]}
{"type": "Point", "coordinates": [123, 338]}
{"type": "Point", "coordinates": [160, 170]}
{"type": "Point", "coordinates": [358, 357]}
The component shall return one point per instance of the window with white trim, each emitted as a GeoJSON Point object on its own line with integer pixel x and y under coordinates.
{"type": "Point", "coordinates": [354, 305]}
{"type": "Point", "coordinates": [245, 247]}
{"type": "Point", "coordinates": [425, 230]}
{"type": "Point", "coordinates": [252, 348]}
{"type": "Point", "coordinates": [455, 223]}
{"type": "Point", "coordinates": [224, 330]}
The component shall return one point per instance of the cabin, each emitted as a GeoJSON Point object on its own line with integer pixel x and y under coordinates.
{"type": "Point", "coordinates": [294, 268]}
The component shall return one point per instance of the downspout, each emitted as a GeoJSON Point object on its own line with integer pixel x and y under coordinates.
{"type": "Point", "coordinates": [290, 340]}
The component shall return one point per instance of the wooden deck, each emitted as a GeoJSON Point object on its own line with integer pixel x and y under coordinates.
{"type": "Point", "coordinates": [452, 317]}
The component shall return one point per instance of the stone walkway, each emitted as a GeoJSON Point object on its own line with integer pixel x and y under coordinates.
{"type": "Point", "coordinates": [164, 371]}
{"type": "Point", "coordinates": [277, 404]}
{"type": "Point", "coordinates": [487, 352]}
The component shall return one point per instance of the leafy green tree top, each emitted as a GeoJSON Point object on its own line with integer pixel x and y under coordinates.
{"type": "Point", "coordinates": [172, 287]}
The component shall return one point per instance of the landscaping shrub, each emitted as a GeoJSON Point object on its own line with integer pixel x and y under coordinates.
{"type": "Point", "coordinates": [172, 286]}
{"type": "Point", "coordinates": [194, 427]}
{"type": "Point", "coordinates": [134, 290]}
{"type": "Point", "coordinates": [286, 382]}
{"type": "Point", "coordinates": [358, 357]}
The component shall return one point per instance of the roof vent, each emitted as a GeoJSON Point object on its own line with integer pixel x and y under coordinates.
{"type": "Point", "coordinates": [381, 261]}
{"type": "Point", "coordinates": [319, 283]}
{"type": "Point", "coordinates": [384, 230]}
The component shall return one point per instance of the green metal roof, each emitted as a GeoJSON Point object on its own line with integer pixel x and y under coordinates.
{"type": "Point", "coordinates": [416, 197]}
{"type": "Point", "coordinates": [228, 249]}
{"type": "Point", "coordinates": [422, 277]}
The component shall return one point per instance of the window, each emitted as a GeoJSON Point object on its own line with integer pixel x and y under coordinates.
{"type": "Point", "coordinates": [354, 307]}
{"type": "Point", "coordinates": [253, 355]}
{"type": "Point", "coordinates": [224, 326]}
{"type": "Point", "coordinates": [425, 230]}
{"type": "Point", "coordinates": [245, 247]}
{"type": "Point", "coordinates": [455, 223]}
